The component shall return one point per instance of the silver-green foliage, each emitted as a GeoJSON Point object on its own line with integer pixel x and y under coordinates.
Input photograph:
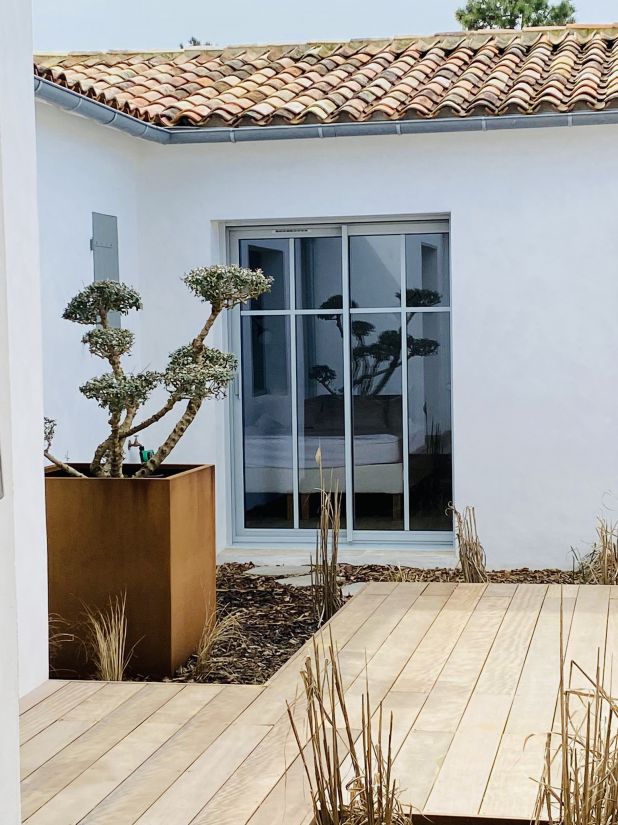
{"type": "Point", "coordinates": [107, 342]}
{"type": "Point", "coordinates": [94, 303]}
{"type": "Point", "coordinates": [205, 373]}
{"type": "Point", "coordinates": [226, 286]}
{"type": "Point", "coordinates": [120, 392]}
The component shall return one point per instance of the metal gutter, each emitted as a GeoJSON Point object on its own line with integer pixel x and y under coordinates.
{"type": "Point", "coordinates": [101, 113]}
{"type": "Point", "coordinates": [106, 115]}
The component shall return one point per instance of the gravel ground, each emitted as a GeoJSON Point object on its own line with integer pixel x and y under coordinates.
{"type": "Point", "coordinates": [274, 620]}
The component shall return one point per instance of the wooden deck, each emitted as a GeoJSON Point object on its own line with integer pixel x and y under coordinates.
{"type": "Point", "coordinates": [469, 671]}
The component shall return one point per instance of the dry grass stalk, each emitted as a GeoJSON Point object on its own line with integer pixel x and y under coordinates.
{"type": "Point", "coordinates": [579, 785]}
{"type": "Point", "coordinates": [106, 640]}
{"type": "Point", "coordinates": [371, 797]}
{"type": "Point", "coordinates": [600, 566]}
{"type": "Point", "coordinates": [400, 574]}
{"type": "Point", "coordinates": [58, 637]}
{"type": "Point", "coordinates": [327, 598]}
{"type": "Point", "coordinates": [471, 553]}
{"type": "Point", "coordinates": [216, 633]}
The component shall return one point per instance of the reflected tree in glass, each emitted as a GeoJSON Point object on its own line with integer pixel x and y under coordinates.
{"type": "Point", "coordinates": [375, 362]}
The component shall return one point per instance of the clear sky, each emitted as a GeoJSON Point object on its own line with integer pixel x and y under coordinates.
{"type": "Point", "coordinates": [65, 25]}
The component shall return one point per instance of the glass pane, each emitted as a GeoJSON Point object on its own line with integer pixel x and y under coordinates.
{"type": "Point", "coordinates": [272, 257]}
{"type": "Point", "coordinates": [318, 273]}
{"type": "Point", "coordinates": [320, 411]}
{"type": "Point", "coordinates": [429, 420]}
{"type": "Point", "coordinates": [267, 421]}
{"type": "Point", "coordinates": [375, 270]}
{"type": "Point", "coordinates": [427, 270]}
{"type": "Point", "coordinates": [377, 421]}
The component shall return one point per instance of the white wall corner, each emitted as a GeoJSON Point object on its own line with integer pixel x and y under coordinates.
{"type": "Point", "coordinates": [22, 349]}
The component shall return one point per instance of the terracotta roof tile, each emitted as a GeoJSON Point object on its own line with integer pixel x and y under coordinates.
{"type": "Point", "coordinates": [448, 75]}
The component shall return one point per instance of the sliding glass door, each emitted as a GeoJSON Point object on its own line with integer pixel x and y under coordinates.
{"type": "Point", "coordinates": [349, 354]}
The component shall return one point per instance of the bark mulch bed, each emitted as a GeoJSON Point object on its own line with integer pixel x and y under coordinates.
{"type": "Point", "coordinates": [276, 619]}
{"type": "Point", "coordinates": [377, 572]}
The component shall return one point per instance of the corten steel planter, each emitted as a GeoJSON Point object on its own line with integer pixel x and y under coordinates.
{"type": "Point", "coordinates": [153, 538]}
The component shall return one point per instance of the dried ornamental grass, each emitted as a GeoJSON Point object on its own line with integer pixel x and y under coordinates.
{"type": "Point", "coordinates": [106, 640]}
{"type": "Point", "coordinates": [400, 574]}
{"type": "Point", "coordinates": [471, 553]}
{"type": "Point", "coordinates": [579, 785]}
{"type": "Point", "coordinates": [324, 572]}
{"type": "Point", "coordinates": [600, 566]}
{"type": "Point", "coordinates": [371, 797]}
{"type": "Point", "coordinates": [58, 637]}
{"type": "Point", "coordinates": [216, 633]}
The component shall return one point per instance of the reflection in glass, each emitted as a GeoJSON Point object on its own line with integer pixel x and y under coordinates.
{"type": "Point", "coordinates": [318, 273]}
{"type": "Point", "coordinates": [272, 257]}
{"type": "Point", "coordinates": [267, 421]}
{"type": "Point", "coordinates": [427, 270]}
{"type": "Point", "coordinates": [377, 421]}
{"type": "Point", "coordinates": [429, 420]}
{"type": "Point", "coordinates": [320, 412]}
{"type": "Point", "coordinates": [375, 270]}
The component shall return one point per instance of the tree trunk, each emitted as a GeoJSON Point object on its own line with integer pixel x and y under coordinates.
{"type": "Point", "coordinates": [170, 442]}
{"type": "Point", "coordinates": [102, 450]}
{"type": "Point", "coordinates": [116, 451]}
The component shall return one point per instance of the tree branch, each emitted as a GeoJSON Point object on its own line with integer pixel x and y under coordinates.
{"type": "Point", "coordinates": [169, 405]}
{"type": "Point", "coordinates": [173, 438]}
{"type": "Point", "coordinates": [63, 466]}
{"type": "Point", "coordinates": [95, 465]}
{"type": "Point", "coordinates": [198, 341]}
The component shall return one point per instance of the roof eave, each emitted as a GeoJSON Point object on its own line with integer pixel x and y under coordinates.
{"type": "Point", "coordinates": [76, 103]}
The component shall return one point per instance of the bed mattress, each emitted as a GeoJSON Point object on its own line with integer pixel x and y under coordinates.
{"type": "Point", "coordinates": [276, 450]}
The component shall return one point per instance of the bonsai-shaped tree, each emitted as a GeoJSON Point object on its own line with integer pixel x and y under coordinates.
{"type": "Point", "coordinates": [194, 372]}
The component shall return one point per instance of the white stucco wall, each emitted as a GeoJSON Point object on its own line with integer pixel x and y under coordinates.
{"type": "Point", "coordinates": [9, 741]}
{"type": "Point", "coordinates": [81, 170]}
{"type": "Point", "coordinates": [24, 394]}
{"type": "Point", "coordinates": [534, 290]}
{"type": "Point", "coordinates": [23, 580]}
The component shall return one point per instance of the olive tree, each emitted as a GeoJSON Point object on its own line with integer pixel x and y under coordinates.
{"type": "Point", "coordinates": [193, 373]}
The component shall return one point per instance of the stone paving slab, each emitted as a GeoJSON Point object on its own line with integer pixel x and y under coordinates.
{"type": "Point", "coordinates": [280, 570]}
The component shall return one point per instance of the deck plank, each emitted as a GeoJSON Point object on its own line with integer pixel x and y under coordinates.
{"type": "Point", "coordinates": [285, 685]}
{"type": "Point", "coordinates": [40, 693]}
{"type": "Point", "coordinates": [53, 707]}
{"type": "Point", "coordinates": [519, 758]}
{"type": "Point", "coordinates": [48, 780]}
{"type": "Point", "coordinates": [385, 666]}
{"type": "Point", "coordinates": [142, 789]}
{"type": "Point", "coordinates": [470, 673]}
{"type": "Point", "coordinates": [428, 659]}
{"type": "Point", "coordinates": [479, 733]}
{"type": "Point", "coordinates": [78, 798]}
{"type": "Point", "coordinates": [241, 795]}
{"type": "Point", "coordinates": [50, 741]}
{"type": "Point", "coordinates": [275, 756]}
{"type": "Point", "coordinates": [453, 789]}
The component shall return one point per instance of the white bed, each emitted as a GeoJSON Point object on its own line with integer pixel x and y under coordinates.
{"type": "Point", "coordinates": [377, 463]}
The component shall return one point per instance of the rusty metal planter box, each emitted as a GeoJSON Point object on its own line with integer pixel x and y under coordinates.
{"type": "Point", "coordinates": [153, 538]}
